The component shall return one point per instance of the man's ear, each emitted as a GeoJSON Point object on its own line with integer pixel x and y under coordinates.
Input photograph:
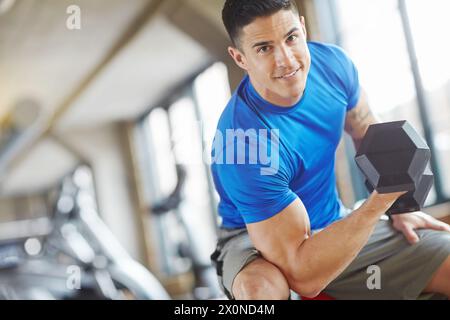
{"type": "Point", "coordinates": [302, 20]}
{"type": "Point", "coordinates": [238, 57]}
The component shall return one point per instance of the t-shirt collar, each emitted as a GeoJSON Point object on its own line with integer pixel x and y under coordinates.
{"type": "Point", "coordinates": [259, 102]}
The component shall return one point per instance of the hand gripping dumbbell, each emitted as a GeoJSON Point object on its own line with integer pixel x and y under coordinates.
{"type": "Point", "coordinates": [393, 157]}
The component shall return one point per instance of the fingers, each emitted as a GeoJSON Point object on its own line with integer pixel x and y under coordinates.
{"type": "Point", "coordinates": [437, 225]}
{"type": "Point", "coordinates": [410, 234]}
{"type": "Point", "coordinates": [445, 227]}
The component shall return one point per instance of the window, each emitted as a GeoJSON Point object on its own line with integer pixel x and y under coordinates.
{"type": "Point", "coordinates": [212, 92]}
{"type": "Point", "coordinates": [180, 133]}
{"type": "Point", "coordinates": [430, 26]}
{"type": "Point", "coordinates": [373, 33]}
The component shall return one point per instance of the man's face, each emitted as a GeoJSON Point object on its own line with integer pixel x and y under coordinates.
{"type": "Point", "coordinates": [274, 52]}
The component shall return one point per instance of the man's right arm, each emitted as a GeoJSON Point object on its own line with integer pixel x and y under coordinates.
{"type": "Point", "coordinates": [311, 262]}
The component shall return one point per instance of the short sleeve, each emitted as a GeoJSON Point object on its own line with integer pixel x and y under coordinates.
{"type": "Point", "coordinates": [258, 191]}
{"type": "Point", "coordinates": [348, 74]}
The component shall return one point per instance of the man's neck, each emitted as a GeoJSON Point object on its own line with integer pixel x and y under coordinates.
{"type": "Point", "coordinates": [274, 98]}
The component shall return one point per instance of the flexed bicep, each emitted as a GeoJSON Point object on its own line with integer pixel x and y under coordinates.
{"type": "Point", "coordinates": [280, 236]}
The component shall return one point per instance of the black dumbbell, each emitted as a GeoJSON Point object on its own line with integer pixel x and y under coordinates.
{"type": "Point", "coordinates": [393, 157]}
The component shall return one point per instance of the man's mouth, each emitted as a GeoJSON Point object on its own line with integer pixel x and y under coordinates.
{"type": "Point", "coordinates": [288, 75]}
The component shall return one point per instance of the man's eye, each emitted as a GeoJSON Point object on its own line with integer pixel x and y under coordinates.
{"type": "Point", "coordinates": [263, 49]}
{"type": "Point", "coordinates": [292, 37]}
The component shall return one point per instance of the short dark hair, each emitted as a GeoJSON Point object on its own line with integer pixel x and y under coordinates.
{"type": "Point", "coordinates": [236, 14]}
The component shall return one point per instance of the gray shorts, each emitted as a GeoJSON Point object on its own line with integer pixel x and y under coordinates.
{"type": "Point", "coordinates": [404, 270]}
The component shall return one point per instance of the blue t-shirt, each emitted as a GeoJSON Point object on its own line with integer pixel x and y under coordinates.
{"type": "Point", "coordinates": [265, 156]}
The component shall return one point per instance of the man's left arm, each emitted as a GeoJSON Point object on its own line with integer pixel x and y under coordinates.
{"type": "Point", "coordinates": [357, 120]}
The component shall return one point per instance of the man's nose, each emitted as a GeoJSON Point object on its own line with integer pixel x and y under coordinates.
{"type": "Point", "coordinates": [284, 57]}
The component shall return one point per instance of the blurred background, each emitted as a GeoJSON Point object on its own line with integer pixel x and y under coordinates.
{"type": "Point", "coordinates": [108, 109]}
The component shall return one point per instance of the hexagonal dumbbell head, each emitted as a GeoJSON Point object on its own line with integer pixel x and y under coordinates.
{"type": "Point", "coordinates": [392, 156]}
{"type": "Point", "coordinates": [412, 200]}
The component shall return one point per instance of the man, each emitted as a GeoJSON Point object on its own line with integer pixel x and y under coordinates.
{"type": "Point", "coordinates": [285, 228]}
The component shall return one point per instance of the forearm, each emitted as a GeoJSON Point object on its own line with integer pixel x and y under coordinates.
{"type": "Point", "coordinates": [319, 259]}
{"type": "Point", "coordinates": [359, 119]}
{"type": "Point", "coordinates": [362, 129]}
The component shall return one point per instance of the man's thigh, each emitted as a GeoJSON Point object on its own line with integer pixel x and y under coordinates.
{"type": "Point", "coordinates": [388, 267]}
{"type": "Point", "coordinates": [234, 251]}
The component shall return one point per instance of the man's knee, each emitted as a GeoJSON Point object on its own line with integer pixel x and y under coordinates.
{"type": "Point", "coordinates": [440, 281]}
{"type": "Point", "coordinates": [260, 280]}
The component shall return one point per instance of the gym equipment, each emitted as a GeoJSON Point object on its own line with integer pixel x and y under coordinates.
{"type": "Point", "coordinates": [79, 244]}
{"type": "Point", "coordinates": [393, 157]}
{"type": "Point", "coordinates": [413, 200]}
{"type": "Point", "coordinates": [19, 131]}
{"type": "Point", "coordinates": [206, 284]}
